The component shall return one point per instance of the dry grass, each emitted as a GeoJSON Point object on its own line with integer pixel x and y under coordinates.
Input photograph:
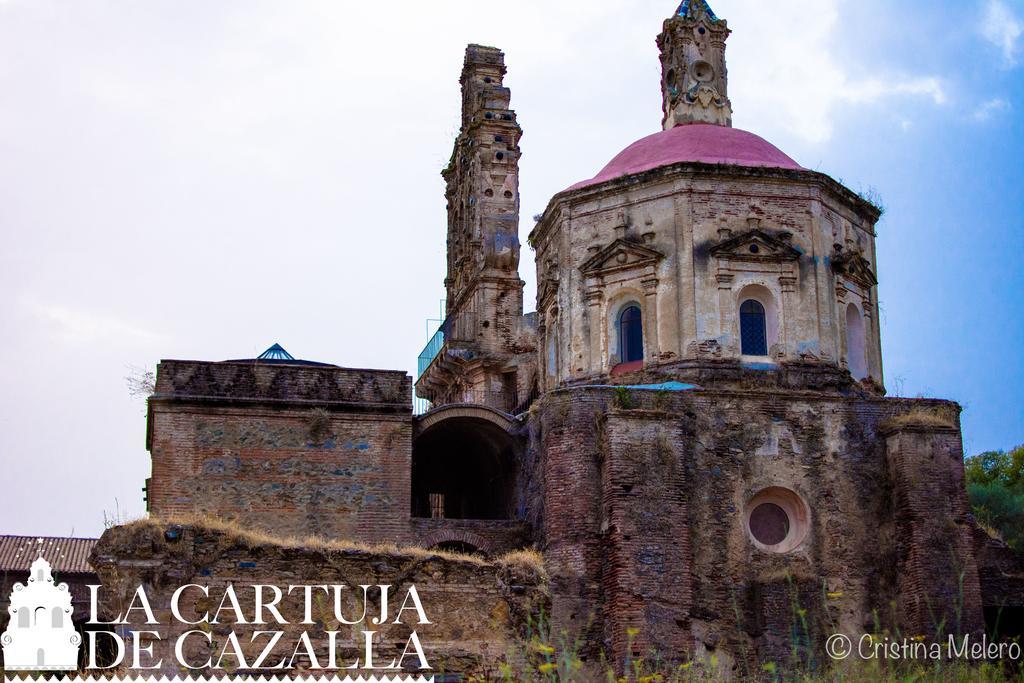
{"type": "Point", "coordinates": [938, 416]}
{"type": "Point", "coordinates": [990, 530]}
{"type": "Point", "coordinates": [528, 558]}
{"type": "Point", "coordinates": [254, 538]}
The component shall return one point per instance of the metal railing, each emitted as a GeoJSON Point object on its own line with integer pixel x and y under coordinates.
{"type": "Point", "coordinates": [420, 405]}
{"type": "Point", "coordinates": [462, 327]}
{"type": "Point", "coordinates": [430, 351]}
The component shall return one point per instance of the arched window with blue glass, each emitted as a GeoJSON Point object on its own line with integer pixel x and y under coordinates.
{"type": "Point", "coordinates": [631, 335]}
{"type": "Point", "coordinates": [753, 328]}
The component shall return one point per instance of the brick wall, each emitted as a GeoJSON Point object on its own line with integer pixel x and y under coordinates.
{"type": "Point", "coordinates": [291, 449]}
{"type": "Point", "coordinates": [647, 580]}
{"type": "Point", "coordinates": [938, 574]}
{"type": "Point", "coordinates": [643, 520]}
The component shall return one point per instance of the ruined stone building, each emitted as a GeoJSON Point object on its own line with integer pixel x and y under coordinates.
{"type": "Point", "coordinates": [692, 428]}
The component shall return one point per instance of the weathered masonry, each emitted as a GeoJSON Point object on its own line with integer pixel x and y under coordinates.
{"type": "Point", "coordinates": [692, 428]}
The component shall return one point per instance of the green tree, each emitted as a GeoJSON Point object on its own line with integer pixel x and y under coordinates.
{"type": "Point", "coordinates": [995, 486]}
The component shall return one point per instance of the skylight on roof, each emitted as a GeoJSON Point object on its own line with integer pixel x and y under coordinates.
{"type": "Point", "coordinates": [275, 352]}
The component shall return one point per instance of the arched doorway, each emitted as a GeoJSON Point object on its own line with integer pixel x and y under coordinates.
{"type": "Point", "coordinates": [461, 547]}
{"type": "Point", "coordinates": [462, 465]}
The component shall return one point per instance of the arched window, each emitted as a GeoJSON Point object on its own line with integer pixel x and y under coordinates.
{"type": "Point", "coordinates": [57, 618]}
{"type": "Point", "coordinates": [753, 329]}
{"type": "Point", "coordinates": [856, 361]}
{"type": "Point", "coordinates": [631, 335]}
{"type": "Point", "coordinates": [23, 617]}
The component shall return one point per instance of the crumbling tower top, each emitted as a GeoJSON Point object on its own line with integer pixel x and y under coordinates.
{"type": "Point", "coordinates": [694, 79]}
{"type": "Point", "coordinates": [482, 180]}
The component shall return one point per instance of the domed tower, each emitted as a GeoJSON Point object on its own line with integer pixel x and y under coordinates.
{"type": "Point", "coordinates": [703, 252]}
{"type": "Point", "coordinates": [713, 442]}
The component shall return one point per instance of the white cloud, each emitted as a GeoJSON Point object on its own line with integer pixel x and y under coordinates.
{"type": "Point", "coordinates": [1001, 27]}
{"type": "Point", "coordinates": [990, 108]}
{"type": "Point", "coordinates": [873, 89]}
{"type": "Point", "coordinates": [76, 326]}
{"type": "Point", "coordinates": [793, 80]}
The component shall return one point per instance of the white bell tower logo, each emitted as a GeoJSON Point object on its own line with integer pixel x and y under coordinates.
{"type": "Point", "coordinates": [40, 635]}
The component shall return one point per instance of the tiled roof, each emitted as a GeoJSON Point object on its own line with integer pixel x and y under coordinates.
{"type": "Point", "coordinates": [17, 553]}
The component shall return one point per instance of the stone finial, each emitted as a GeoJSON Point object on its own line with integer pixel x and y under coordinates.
{"type": "Point", "coordinates": [621, 226]}
{"type": "Point", "coordinates": [724, 231]}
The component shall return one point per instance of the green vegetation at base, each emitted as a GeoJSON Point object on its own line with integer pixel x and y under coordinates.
{"type": "Point", "coordinates": [995, 486]}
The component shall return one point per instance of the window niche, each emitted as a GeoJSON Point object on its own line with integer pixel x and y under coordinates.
{"type": "Point", "coordinates": [758, 321]}
{"type": "Point", "coordinates": [856, 359]}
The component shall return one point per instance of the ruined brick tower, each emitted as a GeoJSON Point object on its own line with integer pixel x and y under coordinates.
{"type": "Point", "coordinates": [692, 428]}
{"type": "Point", "coordinates": [484, 327]}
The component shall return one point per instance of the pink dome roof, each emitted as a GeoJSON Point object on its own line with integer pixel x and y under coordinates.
{"type": "Point", "coordinates": [695, 142]}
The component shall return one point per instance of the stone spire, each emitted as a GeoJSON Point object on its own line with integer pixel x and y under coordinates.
{"type": "Point", "coordinates": [694, 81]}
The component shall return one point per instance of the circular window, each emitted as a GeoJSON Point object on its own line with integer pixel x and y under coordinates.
{"type": "Point", "coordinates": [777, 519]}
{"type": "Point", "coordinates": [703, 72]}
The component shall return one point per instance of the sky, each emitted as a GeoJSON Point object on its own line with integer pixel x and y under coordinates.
{"type": "Point", "coordinates": [202, 179]}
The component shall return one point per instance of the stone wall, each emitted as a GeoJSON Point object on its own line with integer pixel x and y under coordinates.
{"type": "Point", "coordinates": [480, 612]}
{"type": "Point", "coordinates": [645, 537]}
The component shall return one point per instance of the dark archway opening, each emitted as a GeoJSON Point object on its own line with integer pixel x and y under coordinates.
{"type": "Point", "coordinates": [462, 469]}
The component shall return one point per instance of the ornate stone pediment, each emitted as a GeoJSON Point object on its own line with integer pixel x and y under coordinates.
{"type": "Point", "coordinates": [621, 254]}
{"type": "Point", "coordinates": [547, 288]}
{"type": "Point", "coordinates": [755, 245]}
{"type": "Point", "coordinates": [855, 267]}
